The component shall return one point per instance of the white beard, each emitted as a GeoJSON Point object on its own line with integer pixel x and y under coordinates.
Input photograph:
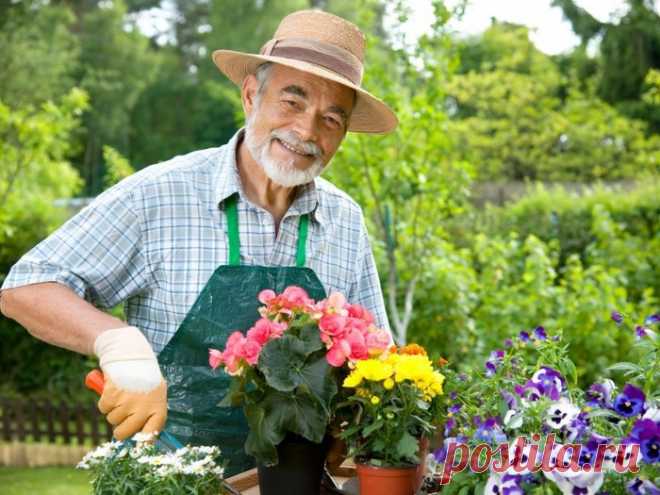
{"type": "Point", "coordinates": [282, 172]}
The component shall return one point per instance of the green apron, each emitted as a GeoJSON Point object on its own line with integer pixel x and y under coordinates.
{"type": "Point", "coordinates": [227, 303]}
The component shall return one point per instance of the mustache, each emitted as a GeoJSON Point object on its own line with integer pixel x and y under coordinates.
{"type": "Point", "coordinates": [293, 140]}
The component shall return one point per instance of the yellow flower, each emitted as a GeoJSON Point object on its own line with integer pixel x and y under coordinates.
{"type": "Point", "coordinates": [374, 370]}
{"type": "Point", "coordinates": [388, 384]}
{"type": "Point", "coordinates": [375, 400]}
{"type": "Point", "coordinates": [352, 380]}
{"type": "Point", "coordinates": [362, 392]}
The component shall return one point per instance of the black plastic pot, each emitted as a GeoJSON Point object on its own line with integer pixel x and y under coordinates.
{"type": "Point", "coordinates": [299, 470]}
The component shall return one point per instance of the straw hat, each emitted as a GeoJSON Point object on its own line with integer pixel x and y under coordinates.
{"type": "Point", "coordinates": [324, 45]}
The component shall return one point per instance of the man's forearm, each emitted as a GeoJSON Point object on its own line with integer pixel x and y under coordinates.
{"type": "Point", "coordinates": [55, 314]}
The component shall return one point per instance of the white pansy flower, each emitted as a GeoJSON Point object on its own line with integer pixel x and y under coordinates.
{"type": "Point", "coordinates": [561, 414]}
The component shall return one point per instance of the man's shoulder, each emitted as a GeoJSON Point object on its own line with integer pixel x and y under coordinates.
{"type": "Point", "coordinates": [194, 169]}
{"type": "Point", "coordinates": [333, 197]}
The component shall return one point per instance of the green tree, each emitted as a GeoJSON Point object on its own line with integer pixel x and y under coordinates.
{"type": "Point", "coordinates": [408, 182]}
{"type": "Point", "coordinates": [35, 143]}
{"type": "Point", "coordinates": [515, 117]}
{"type": "Point", "coordinates": [39, 54]}
{"type": "Point", "coordinates": [628, 50]}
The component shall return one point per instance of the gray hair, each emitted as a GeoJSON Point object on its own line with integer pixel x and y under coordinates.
{"type": "Point", "coordinates": [263, 75]}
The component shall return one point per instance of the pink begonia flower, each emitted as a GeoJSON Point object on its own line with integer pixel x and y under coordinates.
{"type": "Point", "coordinates": [333, 325]}
{"type": "Point", "coordinates": [234, 343]}
{"type": "Point", "coordinates": [233, 364]}
{"type": "Point", "coordinates": [357, 311]}
{"type": "Point", "coordinates": [266, 296]}
{"type": "Point", "coordinates": [358, 346]}
{"type": "Point", "coordinates": [357, 324]}
{"type": "Point", "coordinates": [378, 341]}
{"type": "Point", "coordinates": [215, 358]}
{"type": "Point", "coordinates": [251, 351]}
{"type": "Point", "coordinates": [294, 296]}
{"type": "Point", "coordinates": [335, 357]}
{"type": "Point", "coordinates": [336, 300]}
{"type": "Point", "coordinates": [265, 330]}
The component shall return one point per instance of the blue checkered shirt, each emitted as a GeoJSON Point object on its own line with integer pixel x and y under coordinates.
{"type": "Point", "coordinates": [153, 240]}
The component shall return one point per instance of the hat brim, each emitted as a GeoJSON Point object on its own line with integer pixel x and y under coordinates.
{"type": "Point", "coordinates": [370, 115]}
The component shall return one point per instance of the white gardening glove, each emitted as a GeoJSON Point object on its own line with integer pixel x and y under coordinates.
{"type": "Point", "coordinates": [135, 394]}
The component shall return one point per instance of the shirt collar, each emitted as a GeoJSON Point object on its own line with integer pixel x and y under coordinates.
{"type": "Point", "coordinates": [228, 182]}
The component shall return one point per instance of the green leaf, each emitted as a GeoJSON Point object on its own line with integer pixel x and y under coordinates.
{"type": "Point", "coordinates": [234, 396]}
{"type": "Point", "coordinates": [281, 361]}
{"type": "Point", "coordinates": [372, 427]}
{"type": "Point", "coordinates": [311, 338]}
{"type": "Point", "coordinates": [286, 365]}
{"type": "Point", "coordinates": [626, 367]}
{"type": "Point", "coordinates": [407, 446]}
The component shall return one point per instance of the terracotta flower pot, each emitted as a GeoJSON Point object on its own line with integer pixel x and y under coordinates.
{"type": "Point", "coordinates": [390, 480]}
{"type": "Point", "coordinates": [393, 480]}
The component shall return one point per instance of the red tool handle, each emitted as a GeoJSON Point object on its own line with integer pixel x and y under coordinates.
{"type": "Point", "coordinates": [95, 381]}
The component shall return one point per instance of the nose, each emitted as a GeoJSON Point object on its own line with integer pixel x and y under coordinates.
{"type": "Point", "coordinates": [307, 126]}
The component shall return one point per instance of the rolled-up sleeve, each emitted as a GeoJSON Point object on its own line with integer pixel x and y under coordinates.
{"type": "Point", "coordinates": [365, 289]}
{"type": "Point", "coordinates": [98, 253]}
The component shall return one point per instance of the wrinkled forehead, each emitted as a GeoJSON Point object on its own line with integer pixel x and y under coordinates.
{"type": "Point", "coordinates": [310, 87]}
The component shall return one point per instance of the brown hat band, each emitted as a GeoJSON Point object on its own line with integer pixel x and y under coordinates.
{"type": "Point", "coordinates": [316, 52]}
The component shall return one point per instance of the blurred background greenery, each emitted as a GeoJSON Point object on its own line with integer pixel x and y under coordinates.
{"type": "Point", "coordinates": [521, 189]}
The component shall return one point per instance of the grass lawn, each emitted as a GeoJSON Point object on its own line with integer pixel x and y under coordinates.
{"type": "Point", "coordinates": [44, 481]}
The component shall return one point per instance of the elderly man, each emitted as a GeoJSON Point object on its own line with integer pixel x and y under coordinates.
{"type": "Point", "coordinates": [189, 243]}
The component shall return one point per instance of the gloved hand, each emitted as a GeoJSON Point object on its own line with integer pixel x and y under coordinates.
{"type": "Point", "coordinates": [135, 394]}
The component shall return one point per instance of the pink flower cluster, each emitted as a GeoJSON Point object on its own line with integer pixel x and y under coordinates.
{"type": "Point", "coordinates": [241, 350]}
{"type": "Point", "coordinates": [348, 330]}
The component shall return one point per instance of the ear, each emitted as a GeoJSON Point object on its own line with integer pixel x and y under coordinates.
{"type": "Point", "coordinates": [249, 93]}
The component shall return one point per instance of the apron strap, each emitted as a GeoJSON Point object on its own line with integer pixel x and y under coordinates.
{"type": "Point", "coordinates": [301, 252]}
{"type": "Point", "coordinates": [231, 211]}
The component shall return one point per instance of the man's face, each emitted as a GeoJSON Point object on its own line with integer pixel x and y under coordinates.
{"type": "Point", "coordinates": [295, 124]}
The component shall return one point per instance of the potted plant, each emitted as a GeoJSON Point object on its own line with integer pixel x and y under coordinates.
{"type": "Point", "coordinates": [391, 407]}
{"type": "Point", "coordinates": [527, 400]}
{"type": "Point", "coordinates": [137, 467]}
{"type": "Point", "coordinates": [286, 372]}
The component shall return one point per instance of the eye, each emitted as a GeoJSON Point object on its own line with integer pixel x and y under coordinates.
{"type": "Point", "coordinates": [332, 121]}
{"type": "Point", "coordinates": [291, 103]}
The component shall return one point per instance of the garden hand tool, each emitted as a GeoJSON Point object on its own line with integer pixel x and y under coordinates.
{"type": "Point", "coordinates": [96, 381]}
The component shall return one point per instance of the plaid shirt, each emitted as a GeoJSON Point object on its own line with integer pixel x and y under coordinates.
{"type": "Point", "coordinates": [153, 241]}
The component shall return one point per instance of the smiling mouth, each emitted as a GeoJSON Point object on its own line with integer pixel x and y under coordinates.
{"type": "Point", "coordinates": [292, 149]}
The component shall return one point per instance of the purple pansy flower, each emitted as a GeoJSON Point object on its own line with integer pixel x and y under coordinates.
{"type": "Point", "coordinates": [454, 408]}
{"type": "Point", "coordinates": [600, 394]}
{"type": "Point", "coordinates": [508, 343]}
{"type": "Point", "coordinates": [524, 336]}
{"type": "Point", "coordinates": [639, 486]}
{"type": "Point", "coordinates": [652, 319]}
{"type": "Point", "coordinates": [489, 430]}
{"type": "Point", "coordinates": [643, 332]}
{"type": "Point", "coordinates": [507, 484]}
{"type": "Point", "coordinates": [449, 425]}
{"type": "Point", "coordinates": [441, 454]}
{"type": "Point", "coordinates": [495, 358]}
{"type": "Point", "coordinates": [630, 402]}
{"type": "Point", "coordinates": [646, 433]}
{"type": "Point", "coordinates": [578, 427]}
{"type": "Point", "coordinates": [551, 382]}
{"type": "Point", "coordinates": [617, 317]}
{"type": "Point", "coordinates": [589, 450]}
{"type": "Point", "coordinates": [539, 333]}
{"type": "Point", "coordinates": [530, 392]}
{"type": "Point", "coordinates": [510, 399]}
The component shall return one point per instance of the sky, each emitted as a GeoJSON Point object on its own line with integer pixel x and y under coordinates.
{"type": "Point", "coordinates": [548, 30]}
